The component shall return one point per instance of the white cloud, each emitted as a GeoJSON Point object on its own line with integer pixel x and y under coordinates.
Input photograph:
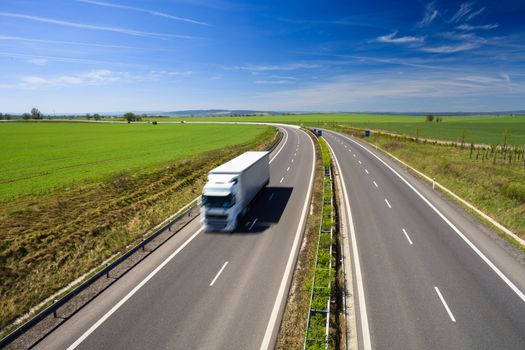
{"type": "Point", "coordinates": [474, 14]}
{"type": "Point", "coordinates": [151, 12]}
{"type": "Point", "coordinates": [478, 27]}
{"type": "Point", "coordinates": [94, 27]}
{"type": "Point", "coordinates": [284, 67]}
{"type": "Point", "coordinates": [464, 9]}
{"type": "Point", "coordinates": [431, 14]}
{"type": "Point", "coordinates": [451, 48]}
{"type": "Point", "coordinates": [16, 38]}
{"type": "Point", "coordinates": [37, 61]}
{"type": "Point", "coordinates": [390, 38]}
{"type": "Point", "coordinates": [274, 82]}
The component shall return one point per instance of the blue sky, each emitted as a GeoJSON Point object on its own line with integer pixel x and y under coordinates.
{"type": "Point", "coordinates": [115, 55]}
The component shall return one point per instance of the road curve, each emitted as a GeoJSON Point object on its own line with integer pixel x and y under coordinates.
{"type": "Point", "coordinates": [432, 276]}
{"type": "Point", "coordinates": [208, 290]}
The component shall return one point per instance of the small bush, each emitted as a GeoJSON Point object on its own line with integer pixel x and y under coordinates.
{"type": "Point", "coordinates": [515, 191]}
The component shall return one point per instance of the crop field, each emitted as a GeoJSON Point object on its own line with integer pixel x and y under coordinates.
{"type": "Point", "coordinates": [38, 157]}
{"type": "Point", "coordinates": [478, 129]}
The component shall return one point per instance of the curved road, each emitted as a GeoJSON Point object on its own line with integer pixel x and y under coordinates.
{"type": "Point", "coordinates": [209, 290]}
{"type": "Point", "coordinates": [431, 276]}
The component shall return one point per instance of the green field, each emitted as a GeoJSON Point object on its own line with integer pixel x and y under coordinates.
{"type": "Point", "coordinates": [37, 157]}
{"type": "Point", "coordinates": [479, 129]}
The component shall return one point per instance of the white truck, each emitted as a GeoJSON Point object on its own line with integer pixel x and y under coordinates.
{"type": "Point", "coordinates": [230, 189]}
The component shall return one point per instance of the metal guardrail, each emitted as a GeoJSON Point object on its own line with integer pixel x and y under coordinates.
{"type": "Point", "coordinates": [52, 309]}
{"type": "Point", "coordinates": [326, 312]}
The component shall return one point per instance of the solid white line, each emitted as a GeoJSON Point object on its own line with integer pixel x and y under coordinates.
{"type": "Point", "coordinates": [287, 169]}
{"type": "Point", "coordinates": [375, 184]}
{"type": "Point", "coordinates": [282, 146]}
{"type": "Point", "coordinates": [365, 331]}
{"type": "Point", "coordinates": [253, 223]}
{"type": "Point", "coordinates": [386, 200]}
{"type": "Point", "coordinates": [219, 273]}
{"type": "Point", "coordinates": [406, 235]}
{"type": "Point", "coordinates": [281, 180]}
{"type": "Point", "coordinates": [505, 279]}
{"type": "Point", "coordinates": [445, 304]}
{"type": "Point", "coordinates": [366, 171]}
{"type": "Point", "coordinates": [133, 291]}
{"type": "Point", "coordinates": [290, 263]}
{"type": "Point", "coordinates": [271, 196]}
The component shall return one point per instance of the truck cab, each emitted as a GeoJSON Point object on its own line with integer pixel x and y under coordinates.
{"type": "Point", "coordinates": [220, 205]}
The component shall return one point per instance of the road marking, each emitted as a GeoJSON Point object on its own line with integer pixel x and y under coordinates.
{"type": "Point", "coordinates": [281, 180]}
{"type": "Point", "coordinates": [375, 184]}
{"type": "Point", "coordinates": [366, 171]}
{"type": "Point", "coordinates": [287, 169]}
{"type": "Point", "coordinates": [406, 235]}
{"type": "Point", "coordinates": [386, 200]}
{"type": "Point", "coordinates": [365, 331]}
{"type": "Point", "coordinates": [132, 292]}
{"type": "Point", "coordinates": [271, 197]}
{"type": "Point", "coordinates": [219, 273]}
{"type": "Point", "coordinates": [268, 335]}
{"type": "Point", "coordinates": [501, 275]}
{"type": "Point", "coordinates": [360, 162]}
{"type": "Point", "coordinates": [282, 146]}
{"type": "Point", "coordinates": [253, 224]}
{"type": "Point", "coordinates": [354, 155]}
{"type": "Point", "coordinates": [445, 304]}
{"type": "Point", "coordinates": [292, 160]}
{"type": "Point", "coordinates": [295, 154]}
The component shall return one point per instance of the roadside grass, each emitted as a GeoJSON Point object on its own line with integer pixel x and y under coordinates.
{"type": "Point", "coordinates": [292, 330]}
{"type": "Point", "coordinates": [496, 189]}
{"type": "Point", "coordinates": [49, 240]}
{"type": "Point", "coordinates": [38, 157]}
{"type": "Point", "coordinates": [478, 129]}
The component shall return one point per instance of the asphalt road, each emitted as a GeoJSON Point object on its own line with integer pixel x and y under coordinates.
{"type": "Point", "coordinates": [208, 290]}
{"type": "Point", "coordinates": [432, 276]}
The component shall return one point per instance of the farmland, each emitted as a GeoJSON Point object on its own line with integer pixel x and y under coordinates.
{"type": "Point", "coordinates": [38, 157]}
{"type": "Point", "coordinates": [478, 129]}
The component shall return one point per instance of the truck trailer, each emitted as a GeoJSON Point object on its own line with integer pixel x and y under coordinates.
{"type": "Point", "coordinates": [230, 189]}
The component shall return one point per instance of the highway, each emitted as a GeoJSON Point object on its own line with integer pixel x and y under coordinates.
{"type": "Point", "coordinates": [205, 290]}
{"type": "Point", "coordinates": [426, 274]}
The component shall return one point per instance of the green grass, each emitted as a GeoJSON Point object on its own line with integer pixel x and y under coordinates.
{"type": "Point", "coordinates": [479, 129]}
{"type": "Point", "coordinates": [38, 157]}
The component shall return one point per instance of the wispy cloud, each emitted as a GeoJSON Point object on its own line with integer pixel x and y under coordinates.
{"type": "Point", "coordinates": [16, 38]}
{"type": "Point", "coordinates": [37, 61]}
{"type": "Point", "coordinates": [274, 82]}
{"type": "Point", "coordinates": [391, 38]}
{"type": "Point", "coordinates": [35, 58]}
{"type": "Point", "coordinates": [475, 13]}
{"type": "Point", "coordinates": [478, 27]}
{"type": "Point", "coordinates": [463, 10]}
{"type": "Point", "coordinates": [95, 77]}
{"type": "Point", "coordinates": [94, 27]}
{"type": "Point", "coordinates": [451, 48]}
{"type": "Point", "coordinates": [151, 12]}
{"type": "Point", "coordinates": [284, 67]}
{"type": "Point", "coordinates": [431, 14]}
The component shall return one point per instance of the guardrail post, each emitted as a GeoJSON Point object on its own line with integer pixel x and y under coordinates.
{"type": "Point", "coordinates": [55, 311]}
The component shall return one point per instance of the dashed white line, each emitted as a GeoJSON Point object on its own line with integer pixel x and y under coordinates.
{"type": "Point", "coordinates": [271, 197]}
{"type": "Point", "coordinates": [287, 169]}
{"type": "Point", "coordinates": [445, 304]}
{"type": "Point", "coordinates": [295, 154]}
{"type": "Point", "coordinates": [292, 160]}
{"type": "Point", "coordinates": [253, 224]}
{"type": "Point", "coordinates": [375, 184]}
{"type": "Point", "coordinates": [386, 200]}
{"type": "Point", "coordinates": [281, 180]}
{"type": "Point", "coordinates": [354, 155]}
{"type": "Point", "coordinates": [406, 235]}
{"type": "Point", "coordinates": [219, 273]}
{"type": "Point", "coordinates": [360, 162]}
{"type": "Point", "coordinates": [366, 171]}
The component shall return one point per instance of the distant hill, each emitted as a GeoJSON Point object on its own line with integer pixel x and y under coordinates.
{"type": "Point", "coordinates": [216, 112]}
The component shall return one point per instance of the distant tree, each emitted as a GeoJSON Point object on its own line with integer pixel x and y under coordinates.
{"type": "Point", "coordinates": [430, 117]}
{"type": "Point", "coordinates": [88, 116]}
{"type": "Point", "coordinates": [26, 116]}
{"type": "Point", "coordinates": [130, 117]}
{"type": "Point", "coordinates": [35, 113]}
{"type": "Point", "coordinates": [7, 116]}
{"type": "Point", "coordinates": [1, 116]}
{"type": "Point", "coordinates": [96, 116]}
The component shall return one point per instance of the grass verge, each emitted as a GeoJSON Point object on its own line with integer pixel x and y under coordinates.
{"type": "Point", "coordinates": [50, 240]}
{"type": "Point", "coordinates": [292, 330]}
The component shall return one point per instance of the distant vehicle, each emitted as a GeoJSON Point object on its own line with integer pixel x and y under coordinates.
{"type": "Point", "coordinates": [230, 189]}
